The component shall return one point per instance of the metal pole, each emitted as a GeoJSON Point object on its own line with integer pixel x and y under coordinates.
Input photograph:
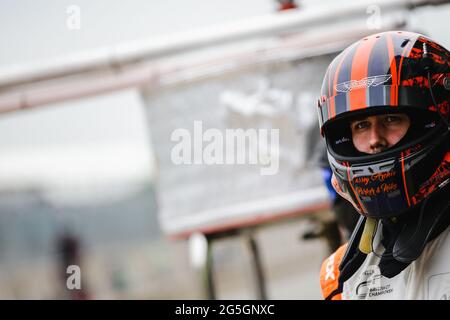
{"type": "Point", "coordinates": [208, 279]}
{"type": "Point", "coordinates": [201, 259]}
{"type": "Point", "coordinates": [256, 265]}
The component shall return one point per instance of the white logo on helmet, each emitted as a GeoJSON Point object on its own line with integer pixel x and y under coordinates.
{"type": "Point", "coordinates": [363, 83]}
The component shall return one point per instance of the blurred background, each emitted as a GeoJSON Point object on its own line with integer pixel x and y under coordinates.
{"type": "Point", "coordinates": [90, 95]}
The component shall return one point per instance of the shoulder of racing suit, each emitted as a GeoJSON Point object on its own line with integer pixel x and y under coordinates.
{"type": "Point", "coordinates": [329, 275]}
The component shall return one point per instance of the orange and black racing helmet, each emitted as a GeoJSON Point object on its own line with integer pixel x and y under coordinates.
{"type": "Point", "coordinates": [389, 72]}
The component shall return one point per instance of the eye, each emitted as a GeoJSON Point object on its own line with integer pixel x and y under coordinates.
{"type": "Point", "coordinates": [360, 125]}
{"type": "Point", "coordinates": [393, 119]}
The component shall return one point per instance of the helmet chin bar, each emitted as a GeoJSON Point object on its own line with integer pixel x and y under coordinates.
{"type": "Point", "coordinates": [386, 188]}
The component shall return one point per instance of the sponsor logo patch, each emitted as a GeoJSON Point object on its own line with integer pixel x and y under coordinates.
{"type": "Point", "coordinates": [370, 285]}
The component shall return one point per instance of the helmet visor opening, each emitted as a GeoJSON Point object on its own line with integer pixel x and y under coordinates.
{"type": "Point", "coordinates": [341, 142]}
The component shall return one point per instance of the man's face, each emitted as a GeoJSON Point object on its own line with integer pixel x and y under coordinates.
{"type": "Point", "coordinates": [374, 134]}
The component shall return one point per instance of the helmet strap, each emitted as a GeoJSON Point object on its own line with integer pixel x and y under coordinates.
{"type": "Point", "coordinates": [365, 243]}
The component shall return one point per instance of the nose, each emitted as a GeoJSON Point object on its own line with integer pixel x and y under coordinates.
{"type": "Point", "coordinates": [377, 140]}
